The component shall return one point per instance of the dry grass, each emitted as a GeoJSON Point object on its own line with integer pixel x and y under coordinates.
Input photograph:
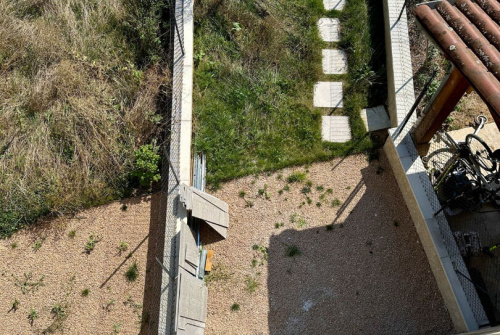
{"type": "Point", "coordinates": [75, 86]}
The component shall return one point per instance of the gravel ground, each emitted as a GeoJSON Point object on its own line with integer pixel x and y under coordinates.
{"type": "Point", "coordinates": [112, 303]}
{"type": "Point", "coordinates": [359, 267]}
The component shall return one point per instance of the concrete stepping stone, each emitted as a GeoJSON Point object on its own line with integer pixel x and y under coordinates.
{"type": "Point", "coordinates": [328, 94]}
{"type": "Point", "coordinates": [334, 61]}
{"type": "Point", "coordinates": [329, 29]}
{"type": "Point", "coordinates": [375, 118]}
{"type": "Point", "coordinates": [334, 4]}
{"type": "Point", "coordinates": [335, 129]}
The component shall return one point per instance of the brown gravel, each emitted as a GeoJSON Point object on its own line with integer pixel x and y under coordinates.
{"type": "Point", "coordinates": [368, 275]}
{"type": "Point", "coordinates": [62, 258]}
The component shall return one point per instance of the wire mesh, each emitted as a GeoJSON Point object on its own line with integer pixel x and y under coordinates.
{"type": "Point", "coordinates": [171, 169]}
{"type": "Point", "coordinates": [473, 226]}
{"type": "Point", "coordinates": [440, 153]}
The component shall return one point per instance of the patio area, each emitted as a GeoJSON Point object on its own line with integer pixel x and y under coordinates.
{"type": "Point", "coordinates": [336, 253]}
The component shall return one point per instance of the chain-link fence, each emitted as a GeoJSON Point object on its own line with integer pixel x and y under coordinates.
{"type": "Point", "coordinates": [455, 180]}
{"type": "Point", "coordinates": [439, 153]}
{"type": "Point", "coordinates": [171, 170]}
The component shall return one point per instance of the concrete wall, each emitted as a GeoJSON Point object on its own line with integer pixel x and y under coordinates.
{"type": "Point", "coordinates": [399, 67]}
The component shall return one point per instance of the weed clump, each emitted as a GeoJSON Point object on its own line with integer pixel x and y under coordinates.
{"type": "Point", "coordinates": [251, 284]}
{"type": "Point", "coordinates": [296, 177]}
{"type": "Point", "coordinates": [91, 243]}
{"type": "Point", "coordinates": [132, 273]}
{"type": "Point", "coordinates": [235, 307]}
{"type": "Point", "coordinates": [292, 251]}
{"type": "Point", "coordinates": [32, 316]}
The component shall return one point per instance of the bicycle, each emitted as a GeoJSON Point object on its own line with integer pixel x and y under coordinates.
{"type": "Point", "coordinates": [465, 175]}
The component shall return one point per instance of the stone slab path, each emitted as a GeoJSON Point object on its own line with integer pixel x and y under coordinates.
{"type": "Point", "coordinates": [335, 129]}
{"type": "Point", "coordinates": [334, 4]}
{"type": "Point", "coordinates": [334, 61]}
{"type": "Point", "coordinates": [329, 29]}
{"type": "Point", "coordinates": [328, 94]}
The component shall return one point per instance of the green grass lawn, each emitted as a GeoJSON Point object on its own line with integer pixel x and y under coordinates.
{"type": "Point", "coordinates": [256, 65]}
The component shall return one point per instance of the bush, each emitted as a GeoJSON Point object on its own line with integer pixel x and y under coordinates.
{"type": "Point", "coordinates": [146, 166]}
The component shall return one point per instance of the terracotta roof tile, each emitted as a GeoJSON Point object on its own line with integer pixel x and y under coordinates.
{"type": "Point", "coordinates": [469, 35]}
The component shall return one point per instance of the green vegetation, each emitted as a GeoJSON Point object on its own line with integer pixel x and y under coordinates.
{"type": "Point", "coordinates": [28, 284]}
{"type": "Point", "coordinates": [132, 272]}
{"type": "Point", "coordinates": [72, 234]}
{"type": "Point", "coordinates": [32, 316]}
{"type": "Point", "coordinates": [251, 283]}
{"type": "Point", "coordinates": [91, 243]}
{"type": "Point", "coordinates": [85, 292]}
{"type": "Point", "coordinates": [78, 95]}
{"type": "Point", "coordinates": [292, 251]}
{"type": "Point", "coordinates": [15, 305]}
{"type": "Point", "coordinates": [235, 307]}
{"type": "Point", "coordinates": [38, 244]}
{"type": "Point", "coordinates": [296, 177]}
{"type": "Point", "coordinates": [335, 202]}
{"type": "Point", "coordinates": [146, 164]}
{"type": "Point", "coordinates": [255, 67]}
{"type": "Point", "coordinates": [219, 272]}
{"type": "Point", "coordinates": [122, 247]}
{"type": "Point", "coordinates": [13, 245]}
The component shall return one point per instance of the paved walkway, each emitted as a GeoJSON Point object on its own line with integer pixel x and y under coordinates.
{"type": "Point", "coordinates": [329, 94]}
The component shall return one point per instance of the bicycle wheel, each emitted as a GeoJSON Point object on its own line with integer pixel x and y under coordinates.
{"type": "Point", "coordinates": [480, 153]}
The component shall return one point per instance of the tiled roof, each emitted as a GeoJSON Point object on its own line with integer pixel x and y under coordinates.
{"type": "Point", "coordinates": [469, 35]}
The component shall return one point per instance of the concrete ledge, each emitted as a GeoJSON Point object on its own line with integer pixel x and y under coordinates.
{"type": "Point", "coordinates": [399, 67]}
{"type": "Point", "coordinates": [408, 173]}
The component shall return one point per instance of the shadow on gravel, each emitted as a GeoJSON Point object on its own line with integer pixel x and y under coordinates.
{"type": "Point", "coordinates": [364, 274]}
{"type": "Point", "coordinates": [152, 287]}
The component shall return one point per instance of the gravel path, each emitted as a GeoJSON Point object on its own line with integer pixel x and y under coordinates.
{"type": "Point", "coordinates": [112, 302]}
{"type": "Point", "coordinates": [359, 267]}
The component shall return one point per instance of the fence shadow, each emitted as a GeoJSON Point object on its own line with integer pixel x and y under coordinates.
{"type": "Point", "coordinates": [152, 287]}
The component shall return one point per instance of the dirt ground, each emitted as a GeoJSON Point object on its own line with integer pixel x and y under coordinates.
{"type": "Point", "coordinates": [60, 270]}
{"type": "Point", "coordinates": [357, 267]}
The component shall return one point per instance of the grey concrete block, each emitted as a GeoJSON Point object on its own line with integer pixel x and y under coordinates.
{"type": "Point", "coordinates": [375, 118]}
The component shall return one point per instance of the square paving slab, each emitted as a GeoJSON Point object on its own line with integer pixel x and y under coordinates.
{"type": "Point", "coordinates": [334, 4]}
{"type": "Point", "coordinates": [335, 129]}
{"type": "Point", "coordinates": [328, 94]}
{"type": "Point", "coordinates": [334, 61]}
{"type": "Point", "coordinates": [329, 29]}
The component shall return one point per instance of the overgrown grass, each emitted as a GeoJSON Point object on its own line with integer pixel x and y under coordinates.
{"type": "Point", "coordinates": [256, 65]}
{"type": "Point", "coordinates": [79, 87]}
